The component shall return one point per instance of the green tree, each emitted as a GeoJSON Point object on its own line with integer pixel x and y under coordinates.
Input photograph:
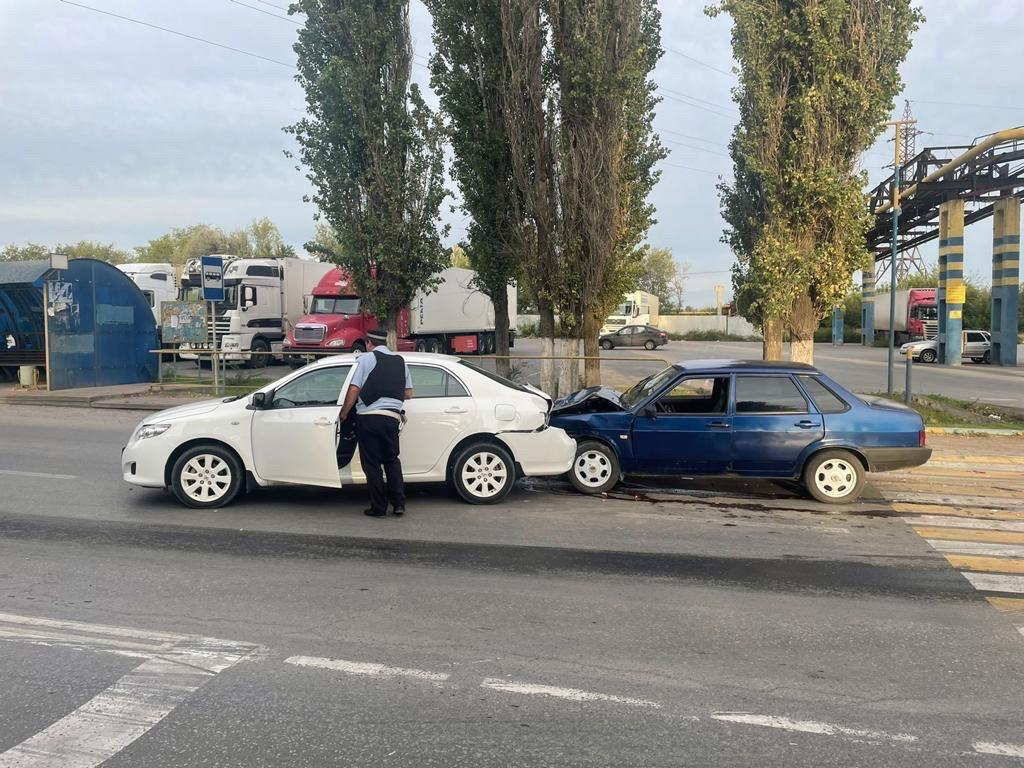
{"type": "Point", "coordinates": [372, 148]}
{"type": "Point", "coordinates": [466, 67]}
{"type": "Point", "coordinates": [86, 249]}
{"type": "Point", "coordinates": [603, 53]}
{"type": "Point", "coordinates": [658, 271]}
{"type": "Point", "coordinates": [27, 252]}
{"type": "Point", "coordinates": [181, 244]}
{"type": "Point", "coordinates": [265, 241]}
{"type": "Point", "coordinates": [817, 78]}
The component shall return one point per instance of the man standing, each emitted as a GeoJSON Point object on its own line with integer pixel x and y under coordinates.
{"type": "Point", "coordinates": [380, 385]}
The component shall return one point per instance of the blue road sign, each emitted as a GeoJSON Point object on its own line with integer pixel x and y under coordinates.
{"type": "Point", "coordinates": [213, 278]}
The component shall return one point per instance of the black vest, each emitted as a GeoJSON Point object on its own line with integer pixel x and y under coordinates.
{"type": "Point", "coordinates": [387, 379]}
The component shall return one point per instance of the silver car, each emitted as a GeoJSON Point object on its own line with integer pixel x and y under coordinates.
{"type": "Point", "coordinates": [975, 346]}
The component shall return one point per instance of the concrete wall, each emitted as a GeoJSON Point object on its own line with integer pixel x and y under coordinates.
{"type": "Point", "coordinates": [685, 323]}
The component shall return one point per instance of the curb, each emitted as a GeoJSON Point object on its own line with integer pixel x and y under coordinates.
{"type": "Point", "coordinates": [992, 431]}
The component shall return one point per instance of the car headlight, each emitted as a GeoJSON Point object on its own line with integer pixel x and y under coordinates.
{"type": "Point", "coordinates": [151, 430]}
{"type": "Point", "coordinates": [336, 343]}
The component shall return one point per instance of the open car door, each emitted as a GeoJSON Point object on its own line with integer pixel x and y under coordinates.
{"type": "Point", "coordinates": [295, 437]}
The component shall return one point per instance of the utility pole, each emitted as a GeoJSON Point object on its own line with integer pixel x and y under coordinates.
{"type": "Point", "coordinates": [897, 180]}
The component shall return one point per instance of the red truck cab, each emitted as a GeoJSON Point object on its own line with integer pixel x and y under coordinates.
{"type": "Point", "coordinates": [922, 313]}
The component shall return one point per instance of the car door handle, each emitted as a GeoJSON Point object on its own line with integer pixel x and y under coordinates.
{"type": "Point", "coordinates": [324, 422]}
{"type": "Point", "coordinates": [456, 409]}
{"type": "Point", "coordinates": [719, 424]}
{"type": "Point", "coordinates": [808, 424]}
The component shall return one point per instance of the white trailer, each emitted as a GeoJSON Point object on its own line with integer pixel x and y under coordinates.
{"type": "Point", "coordinates": [637, 308]}
{"type": "Point", "coordinates": [156, 281]}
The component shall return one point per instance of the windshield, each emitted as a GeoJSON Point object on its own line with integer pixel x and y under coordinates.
{"type": "Point", "coordinates": [329, 305]}
{"type": "Point", "coordinates": [645, 387]}
{"type": "Point", "coordinates": [230, 299]}
{"type": "Point", "coordinates": [926, 313]}
{"type": "Point", "coordinates": [495, 377]}
{"type": "Point", "coordinates": [192, 293]}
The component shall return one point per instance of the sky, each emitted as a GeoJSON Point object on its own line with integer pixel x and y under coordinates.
{"type": "Point", "coordinates": [116, 132]}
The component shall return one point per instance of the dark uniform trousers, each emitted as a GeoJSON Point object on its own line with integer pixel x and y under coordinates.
{"type": "Point", "coordinates": [378, 448]}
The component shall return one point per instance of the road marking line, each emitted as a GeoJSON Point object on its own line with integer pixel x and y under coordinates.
{"type": "Point", "coordinates": [975, 512]}
{"type": "Point", "coordinates": [366, 668]}
{"type": "Point", "coordinates": [964, 522]}
{"type": "Point", "coordinates": [811, 726]}
{"type": "Point", "coordinates": [571, 694]}
{"type": "Point", "coordinates": [977, 548]}
{"type": "Point", "coordinates": [1007, 604]}
{"type": "Point", "coordinates": [994, 748]}
{"type": "Point", "coordinates": [19, 473]}
{"type": "Point", "coordinates": [986, 564]}
{"type": "Point", "coordinates": [961, 534]}
{"type": "Point", "coordinates": [175, 666]}
{"type": "Point", "coordinates": [945, 470]}
{"type": "Point", "coordinates": [995, 582]}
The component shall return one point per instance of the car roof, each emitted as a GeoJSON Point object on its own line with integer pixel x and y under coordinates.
{"type": "Point", "coordinates": [725, 365]}
{"type": "Point", "coordinates": [411, 357]}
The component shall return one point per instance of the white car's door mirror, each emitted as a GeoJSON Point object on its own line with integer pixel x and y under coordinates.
{"type": "Point", "coordinates": [259, 400]}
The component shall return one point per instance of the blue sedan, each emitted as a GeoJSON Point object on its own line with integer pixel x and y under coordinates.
{"type": "Point", "coordinates": [739, 417]}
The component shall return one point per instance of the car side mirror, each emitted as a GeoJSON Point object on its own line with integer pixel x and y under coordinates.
{"type": "Point", "coordinates": [259, 400]}
{"type": "Point", "coordinates": [650, 412]}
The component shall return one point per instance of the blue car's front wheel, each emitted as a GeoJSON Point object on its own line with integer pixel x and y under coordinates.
{"type": "Point", "coordinates": [595, 468]}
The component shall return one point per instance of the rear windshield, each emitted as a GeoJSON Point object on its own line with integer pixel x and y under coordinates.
{"type": "Point", "coordinates": [495, 377]}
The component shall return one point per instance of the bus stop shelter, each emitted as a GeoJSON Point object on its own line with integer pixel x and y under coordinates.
{"type": "Point", "coordinates": [86, 324]}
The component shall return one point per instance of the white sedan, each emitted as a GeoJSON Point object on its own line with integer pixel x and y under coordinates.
{"type": "Point", "coordinates": [466, 426]}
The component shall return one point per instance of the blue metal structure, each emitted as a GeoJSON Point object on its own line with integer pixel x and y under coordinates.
{"type": "Point", "coordinates": [97, 325]}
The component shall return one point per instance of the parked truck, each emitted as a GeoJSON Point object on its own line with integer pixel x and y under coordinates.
{"type": "Point", "coordinates": [456, 318]}
{"type": "Point", "coordinates": [917, 314]}
{"type": "Point", "coordinates": [263, 300]}
{"type": "Point", "coordinates": [157, 282]}
{"type": "Point", "coordinates": [637, 308]}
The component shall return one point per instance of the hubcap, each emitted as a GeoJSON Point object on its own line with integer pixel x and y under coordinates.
{"type": "Point", "coordinates": [835, 478]}
{"type": "Point", "coordinates": [592, 468]}
{"type": "Point", "coordinates": [206, 477]}
{"type": "Point", "coordinates": [484, 474]}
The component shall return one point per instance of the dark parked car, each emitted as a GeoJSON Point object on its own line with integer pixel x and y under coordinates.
{"type": "Point", "coordinates": [646, 336]}
{"type": "Point", "coordinates": [736, 417]}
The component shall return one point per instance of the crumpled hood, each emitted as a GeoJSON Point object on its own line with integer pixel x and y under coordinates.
{"type": "Point", "coordinates": [184, 411]}
{"type": "Point", "coordinates": [589, 400]}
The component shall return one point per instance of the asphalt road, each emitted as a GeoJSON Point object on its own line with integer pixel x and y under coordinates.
{"type": "Point", "coordinates": [742, 626]}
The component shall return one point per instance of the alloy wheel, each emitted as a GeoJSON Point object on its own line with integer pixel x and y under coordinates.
{"type": "Point", "coordinates": [484, 474]}
{"type": "Point", "coordinates": [206, 478]}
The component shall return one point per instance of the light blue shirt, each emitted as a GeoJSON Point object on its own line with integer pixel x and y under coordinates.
{"type": "Point", "coordinates": [364, 365]}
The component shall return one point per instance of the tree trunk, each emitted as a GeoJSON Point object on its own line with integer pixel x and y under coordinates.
{"type": "Point", "coordinates": [546, 330]}
{"type": "Point", "coordinates": [569, 367]}
{"type": "Point", "coordinates": [772, 346]}
{"type": "Point", "coordinates": [392, 328]}
{"type": "Point", "coordinates": [591, 335]}
{"type": "Point", "coordinates": [803, 322]}
{"type": "Point", "coordinates": [502, 364]}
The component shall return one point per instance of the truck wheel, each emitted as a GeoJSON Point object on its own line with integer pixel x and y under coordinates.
{"type": "Point", "coordinates": [258, 360]}
{"type": "Point", "coordinates": [929, 356]}
{"type": "Point", "coordinates": [206, 477]}
{"type": "Point", "coordinates": [834, 477]}
{"type": "Point", "coordinates": [595, 468]}
{"type": "Point", "coordinates": [606, 344]}
{"type": "Point", "coordinates": [483, 474]}
{"type": "Point", "coordinates": [421, 345]}
{"type": "Point", "coordinates": [359, 347]}
{"type": "Point", "coordinates": [433, 345]}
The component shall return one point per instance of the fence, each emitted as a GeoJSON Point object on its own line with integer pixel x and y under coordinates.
{"type": "Point", "coordinates": [682, 324]}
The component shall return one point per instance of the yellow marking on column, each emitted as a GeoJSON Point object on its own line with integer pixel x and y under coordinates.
{"type": "Point", "coordinates": [986, 564]}
{"type": "Point", "coordinates": [940, 509]}
{"type": "Point", "coordinates": [970, 534]}
{"type": "Point", "coordinates": [1007, 604]}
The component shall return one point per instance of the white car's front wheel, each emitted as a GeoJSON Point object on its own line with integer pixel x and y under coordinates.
{"type": "Point", "coordinates": [206, 477]}
{"type": "Point", "coordinates": [483, 473]}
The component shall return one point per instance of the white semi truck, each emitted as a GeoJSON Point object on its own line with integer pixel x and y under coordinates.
{"type": "Point", "coordinates": [263, 300]}
{"type": "Point", "coordinates": [156, 281]}
{"type": "Point", "coordinates": [637, 308]}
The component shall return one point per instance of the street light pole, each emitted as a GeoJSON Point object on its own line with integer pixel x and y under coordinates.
{"type": "Point", "coordinates": [897, 180]}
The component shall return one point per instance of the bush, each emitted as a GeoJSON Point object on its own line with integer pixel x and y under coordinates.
{"type": "Point", "coordinates": [710, 335]}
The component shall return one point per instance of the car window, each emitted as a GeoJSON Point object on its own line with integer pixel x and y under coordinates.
{"type": "Point", "coordinates": [975, 336]}
{"type": "Point", "coordinates": [495, 377]}
{"type": "Point", "coordinates": [648, 386]}
{"type": "Point", "coordinates": [696, 396]}
{"type": "Point", "coordinates": [431, 381]}
{"type": "Point", "coordinates": [316, 388]}
{"type": "Point", "coordinates": [768, 394]}
{"type": "Point", "coordinates": [824, 398]}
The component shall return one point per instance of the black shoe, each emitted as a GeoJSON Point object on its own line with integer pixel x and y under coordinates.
{"type": "Point", "coordinates": [373, 513]}
{"type": "Point", "coordinates": [398, 511]}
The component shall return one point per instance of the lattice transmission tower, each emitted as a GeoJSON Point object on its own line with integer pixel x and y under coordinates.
{"type": "Point", "coordinates": [911, 260]}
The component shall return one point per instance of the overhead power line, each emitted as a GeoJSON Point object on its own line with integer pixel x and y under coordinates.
{"type": "Point", "coordinates": [694, 146]}
{"type": "Point", "coordinates": [692, 138]}
{"type": "Point", "coordinates": [180, 34]}
{"type": "Point", "coordinates": [1003, 107]}
{"type": "Point", "coordinates": [695, 60]}
{"type": "Point", "coordinates": [695, 98]}
{"type": "Point", "coordinates": [690, 168]}
{"type": "Point", "coordinates": [268, 13]}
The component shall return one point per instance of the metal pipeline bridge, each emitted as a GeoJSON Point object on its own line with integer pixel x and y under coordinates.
{"type": "Point", "coordinates": [943, 189]}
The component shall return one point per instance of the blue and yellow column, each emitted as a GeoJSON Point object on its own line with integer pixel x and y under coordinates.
{"type": "Point", "coordinates": [1005, 280]}
{"type": "Point", "coordinates": [952, 292]}
{"type": "Point", "coordinates": [867, 312]}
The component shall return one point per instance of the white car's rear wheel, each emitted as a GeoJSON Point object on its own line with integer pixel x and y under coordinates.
{"type": "Point", "coordinates": [595, 468]}
{"type": "Point", "coordinates": [206, 477]}
{"type": "Point", "coordinates": [483, 473]}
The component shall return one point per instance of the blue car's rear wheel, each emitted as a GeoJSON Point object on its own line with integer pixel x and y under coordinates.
{"type": "Point", "coordinates": [595, 468]}
{"type": "Point", "coordinates": [834, 477]}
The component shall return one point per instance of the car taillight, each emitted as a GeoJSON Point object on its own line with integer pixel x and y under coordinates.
{"type": "Point", "coordinates": [922, 438]}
